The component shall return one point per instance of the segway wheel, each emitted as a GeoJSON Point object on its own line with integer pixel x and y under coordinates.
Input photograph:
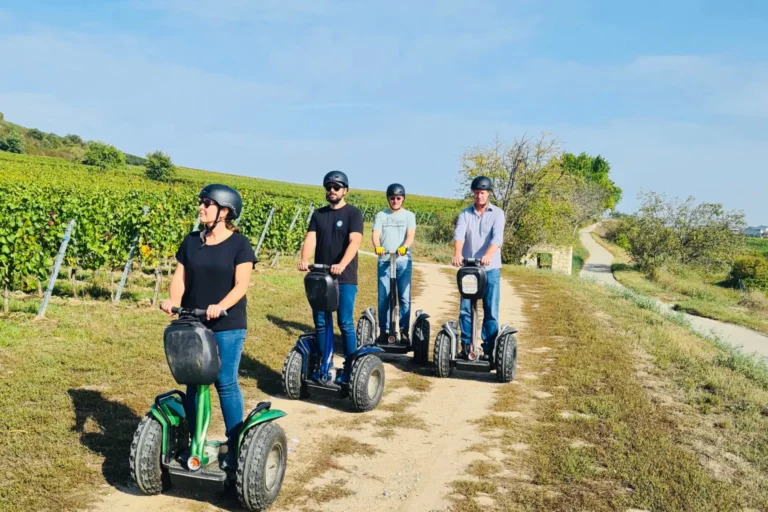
{"type": "Point", "coordinates": [441, 359]}
{"type": "Point", "coordinates": [261, 466]}
{"type": "Point", "coordinates": [506, 365]}
{"type": "Point", "coordinates": [366, 384]}
{"type": "Point", "coordinates": [421, 342]}
{"type": "Point", "coordinates": [144, 459]}
{"type": "Point", "coordinates": [364, 331]}
{"type": "Point", "coordinates": [293, 385]}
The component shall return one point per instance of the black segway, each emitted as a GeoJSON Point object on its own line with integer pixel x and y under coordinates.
{"type": "Point", "coordinates": [419, 335]}
{"type": "Point", "coordinates": [471, 279]}
{"type": "Point", "coordinates": [307, 368]}
{"type": "Point", "coordinates": [161, 453]}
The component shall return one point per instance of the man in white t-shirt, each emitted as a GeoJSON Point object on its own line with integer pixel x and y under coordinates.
{"type": "Point", "coordinates": [393, 231]}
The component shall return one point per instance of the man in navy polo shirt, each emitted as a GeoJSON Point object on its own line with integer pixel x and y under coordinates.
{"type": "Point", "coordinates": [479, 234]}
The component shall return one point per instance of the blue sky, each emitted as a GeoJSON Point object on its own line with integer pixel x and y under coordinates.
{"type": "Point", "coordinates": [673, 94]}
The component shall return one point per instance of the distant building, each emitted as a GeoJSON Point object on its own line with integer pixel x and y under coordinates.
{"type": "Point", "coordinates": [761, 231]}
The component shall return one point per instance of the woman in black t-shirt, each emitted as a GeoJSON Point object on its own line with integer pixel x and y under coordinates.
{"type": "Point", "coordinates": [213, 273]}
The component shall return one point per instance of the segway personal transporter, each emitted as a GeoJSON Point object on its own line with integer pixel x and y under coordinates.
{"type": "Point", "coordinates": [307, 369]}
{"type": "Point", "coordinates": [471, 279]}
{"type": "Point", "coordinates": [160, 452]}
{"type": "Point", "coordinates": [419, 335]}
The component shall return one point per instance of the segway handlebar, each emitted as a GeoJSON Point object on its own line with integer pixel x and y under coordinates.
{"type": "Point", "coordinates": [471, 262]}
{"type": "Point", "coordinates": [320, 267]}
{"type": "Point", "coordinates": [194, 312]}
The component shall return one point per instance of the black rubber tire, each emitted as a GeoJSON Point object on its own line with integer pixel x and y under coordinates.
{"type": "Point", "coordinates": [506, 365]}
{"type": "Point", "coordinates": [364, 332]}
{"type": "Point", "coordinates": [420, 342]}
{"type": "Point", "coordinates": [254, 462]}
{"type": "Point", "coordinates": [293, 385]}
{"type": "Point", "coordinates": [144, 461]}
{"type": "Point", "coordinates": [363, 369]}
{"type": "Point", "coordinates": [441, 359]}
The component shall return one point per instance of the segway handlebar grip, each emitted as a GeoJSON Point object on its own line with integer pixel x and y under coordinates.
{"type": "Point", "coordinates": [194, 312]}
{"type": "Point", "coordinates": [319, 266]}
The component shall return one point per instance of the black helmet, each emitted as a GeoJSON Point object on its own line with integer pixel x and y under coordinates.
{"type": "Point", "coordinates": [336, 177]}
{"type": "Point", "coordinates": [482, 183]}
{"type": "Point", "coordinates": [395, 189]}
{"type": "Point", "coordinates": [224, 196]}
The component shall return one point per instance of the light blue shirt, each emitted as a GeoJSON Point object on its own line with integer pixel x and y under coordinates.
{"type": "Point", "coordinates": [394, 228]}
{"type": "Point", "coordinates": [480, 231]}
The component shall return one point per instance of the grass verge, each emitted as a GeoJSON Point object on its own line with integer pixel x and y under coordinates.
{"type": "Point", "coordinates": [691, 291]}
{"type": "Point", "coordinates": [639, 412]}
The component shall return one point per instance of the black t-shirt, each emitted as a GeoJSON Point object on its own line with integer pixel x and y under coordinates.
{"type": "Point", "coordinates": [209, 275]}
{"type": "Point", "coordinates": [333, 228]}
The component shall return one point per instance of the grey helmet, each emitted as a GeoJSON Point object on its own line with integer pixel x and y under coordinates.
{"type": "Point", "coordinates": [482, 183]}
{"type": "Point", "coordinates": [224, 196]}
{"type": "Point", "coordinates": [395, 189]}
{"type": "Point", "coordinates": [336, 177]}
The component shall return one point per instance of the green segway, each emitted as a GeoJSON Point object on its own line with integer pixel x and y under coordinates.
{"type": "Point", "coordinates": [161, 454]}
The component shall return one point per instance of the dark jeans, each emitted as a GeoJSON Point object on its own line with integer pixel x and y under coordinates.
{"type": "Point", "coordinates": [403, 272]}
{"type": "Point", "coordinates": [230, 345]}
{"type": "Point", "coordinates": [344, 317]}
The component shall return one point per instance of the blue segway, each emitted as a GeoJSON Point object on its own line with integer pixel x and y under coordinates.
{"type": "Point", "coordinates": [308, 366]}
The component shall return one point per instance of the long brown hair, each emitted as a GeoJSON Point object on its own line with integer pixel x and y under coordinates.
{"type": "Point", "coordinates": [230, 226]}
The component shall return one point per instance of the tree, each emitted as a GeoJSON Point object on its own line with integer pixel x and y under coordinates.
{"type": "Point", "coordinates": [594, 170]}
{"type": "Point", "coordinates": [525, 175]}
{"type": "Point", "coordinates": [73, 140]}
{"type": "Point", "coordinates": [159, 167]}
{"type": "Point", "coordinates": [13, 143]}
{"type": "Point", "coordinates": [662, 231]}
{"type": "Point", "coordinates": [103, 155]}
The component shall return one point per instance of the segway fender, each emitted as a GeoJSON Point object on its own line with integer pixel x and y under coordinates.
{"type": "Point", "coordinates": [370, 315]}
{"type": "Point", "coordinates": [261, 414]}
{"type": "Point", "coordinates": [168, 410]}
{"type": "Point", "coordinates": [450, 329]}
{"type": "Point", "coordinates": [506, 329]}
{"type": "Point", "coordinates": [306, 347]}
{"type": "Point", "coordinates": [357, 354]}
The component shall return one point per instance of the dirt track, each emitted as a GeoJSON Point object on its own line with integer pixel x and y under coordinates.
{"type": "Point", "coordinates": [414, 465]}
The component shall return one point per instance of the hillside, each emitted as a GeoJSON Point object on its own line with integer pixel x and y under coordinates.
{"type": "Point", "coordinates": [71, 149]}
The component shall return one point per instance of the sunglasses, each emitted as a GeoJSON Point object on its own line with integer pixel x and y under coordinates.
{"type": "Point", "coordinates": [396, 198]}
{"type": "Point", "coordinates": [333, 187]}
{"type": "Point", "coordinates": [207, 202]}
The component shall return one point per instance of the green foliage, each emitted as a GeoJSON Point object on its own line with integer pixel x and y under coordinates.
{"type": "Point", "coordinates": [757, 246]}
{"type": "Point", "coordinates": [12, 143]}
{"type": "Point", "coordinates": [43, 194]}
{"type": "Point", "coordinates": [103, 155]}
{"type": "Point", "coordinates": [751, 271]}
{"type": "Point", "coordinates": [594, 170]}
{"type": "Point", "coordinates": [443, 228]}
{"type": "Point", "coordinates": [73, 140]}
{"type": "Point", "coordinates": [159, 167]}
{"type": "Point", "coordinates": [134, 160]}
{"type": "Point", "coordinates": [664, 231]}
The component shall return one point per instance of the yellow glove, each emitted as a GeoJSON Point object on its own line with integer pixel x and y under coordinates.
{"type": "Point", "coordinates": [380, 251]}
{"type": "Point", "coordinates": [402, 250]}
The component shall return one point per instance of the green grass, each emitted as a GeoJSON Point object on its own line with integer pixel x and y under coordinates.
{"type": "Point", "coordinates": [76, 383]}
{"type": "Point", "coordinates": [580, 255]}
{"type": "Point", "coordinates": [688, 432]}
{"type": "Point", "coordinates": [691, 291]}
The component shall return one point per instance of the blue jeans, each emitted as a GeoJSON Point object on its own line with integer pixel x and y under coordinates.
{"type": "Point", "coordinates": [230, 344]}
{"type": "Point", "coordinates": [344, 317]}
{"type": "Point", "coordinates": [490, 313]}
{"type": "Point", "coordinates": [403, 269]}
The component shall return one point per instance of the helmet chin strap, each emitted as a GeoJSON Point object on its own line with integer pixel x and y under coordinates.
{"type": "Point", "coordinates": [208, 230]}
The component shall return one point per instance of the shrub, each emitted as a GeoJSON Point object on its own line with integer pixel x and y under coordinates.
{"type": "Point", "coordinates": [159, 167]}
{"type": "Point", "coordinates": [103, 155]}
{"type": "Point", "coordinates": [751, 271]}
{"type": "Point", "coordinates": [13, 143]}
